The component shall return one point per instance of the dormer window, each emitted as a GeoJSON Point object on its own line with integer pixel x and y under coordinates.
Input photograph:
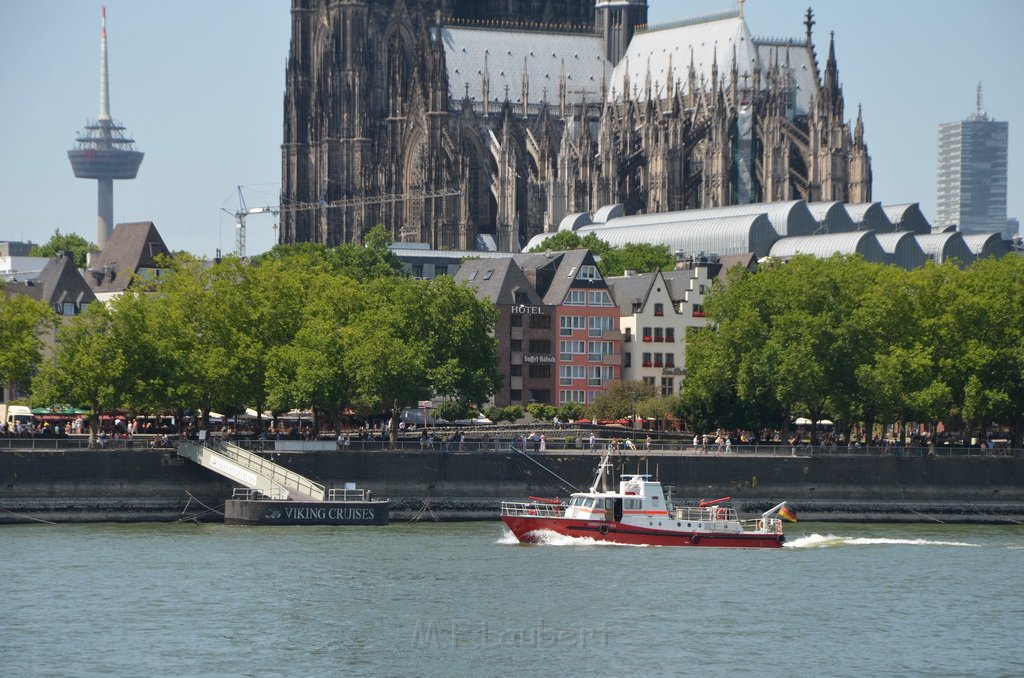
{"type": "Point", "coordinates": [588, 273]}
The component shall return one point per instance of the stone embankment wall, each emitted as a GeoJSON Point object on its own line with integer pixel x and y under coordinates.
{"type": "Point", "coordinates": [157, 485]}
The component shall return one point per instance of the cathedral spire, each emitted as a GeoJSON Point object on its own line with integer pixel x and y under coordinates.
{"type": "Point", "coordinates": [526, 89]}
{"type": "Point", "coordinates": [561, 90]}
{"type": "Point", "coordinates": [486, 86]}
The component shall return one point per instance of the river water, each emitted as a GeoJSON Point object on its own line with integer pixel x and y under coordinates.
{"type": "Point", "coordinates": [463, 599]}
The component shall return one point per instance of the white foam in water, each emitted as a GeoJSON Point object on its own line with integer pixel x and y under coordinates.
{"type": "Point", "coordinates": [552, 538]}
{"type": "Point", "coordinates": [813, 541]}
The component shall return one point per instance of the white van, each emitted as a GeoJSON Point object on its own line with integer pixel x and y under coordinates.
{"type": "Point", "coordinates": [12, 414]}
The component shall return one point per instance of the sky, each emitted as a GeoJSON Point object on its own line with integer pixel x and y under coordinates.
{"type": "Point", "coordinates": [199, 84]}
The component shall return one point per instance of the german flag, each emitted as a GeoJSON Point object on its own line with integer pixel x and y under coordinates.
{"type": "Point", "coordinates": [787, 513]}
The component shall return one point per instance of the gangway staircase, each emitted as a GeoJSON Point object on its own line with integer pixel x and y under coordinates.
{"type": "Point", "coordinates": [251, 470]}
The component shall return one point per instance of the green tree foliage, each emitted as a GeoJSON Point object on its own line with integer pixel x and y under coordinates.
{"type": "Point", "coordinates": [23, 323]}
{"type": "Point", "coordinates": [571, 411]}
{"type": "Point", "coordinates": [621, 400]}
{"type": "Point", "coordinates": [89, 366]}
{"type": "Point", "coordinates": [300, 327]}
{"type": "Point", "coordinates": [612, 261]}
{"type": "Point", "coordinates": [452, 410]}
{"type": "Point", "coordinates": [640, 257]}
{"type": "Point", "coordinates": [416, 339]}
{"type": "Point", "coordinates": [858, 342]}
{"type": "Point", "coordinates": [71, 242]}
{"type": "Point", "coordinates": [541, 411]}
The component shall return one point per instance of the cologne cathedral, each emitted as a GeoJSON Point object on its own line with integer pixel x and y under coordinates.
{"type": "Point", "coordinates": [476, 124]}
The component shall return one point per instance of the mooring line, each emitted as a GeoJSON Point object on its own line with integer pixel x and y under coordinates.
{"type": "Point", "coordinates": [22, 515]}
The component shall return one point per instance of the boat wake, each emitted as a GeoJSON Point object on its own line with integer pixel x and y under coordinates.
{"type": "Point", "coordinates": [552, 538]}
{"type": "Point", "coordinates": [817, 541]}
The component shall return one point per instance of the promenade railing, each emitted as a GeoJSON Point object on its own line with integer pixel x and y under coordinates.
{"type": "Point", "coordinates": [500, 444]}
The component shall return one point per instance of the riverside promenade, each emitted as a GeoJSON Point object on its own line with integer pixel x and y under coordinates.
{"type": "Point", "coordinates": [62, 480]}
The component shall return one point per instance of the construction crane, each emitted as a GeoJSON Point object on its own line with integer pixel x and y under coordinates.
{"type": "Point", "coordinates": [240, 216]}
{"type": "Point", "coordinates": [244, 211]}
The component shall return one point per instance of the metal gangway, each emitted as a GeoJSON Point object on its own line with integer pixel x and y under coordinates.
{"type": "Point", "coordinates": [251, 470]}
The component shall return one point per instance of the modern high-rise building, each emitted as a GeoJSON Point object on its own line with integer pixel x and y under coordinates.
{"type": "Point", "coordinates": [972, 173]}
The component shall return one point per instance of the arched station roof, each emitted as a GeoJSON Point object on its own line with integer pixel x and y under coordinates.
{"type": "Point", "coordinates": [869, 216]}
{"type": "Point", "coordinates": [902, 249]}
{"type": "Point", "coordinates": [732, 235]}
{"type": "Point", "coordinates": [984, 245]}
{"type": "Point", "coordinates": [942, 247]}
{"type": "Point", "coordinates": [907, 217]}
{"type": "Point", "coordinates": [832, 217]}
{"type": "Point", "coordinates": [791, 217]}
{"type": "Point", "coordinates": [824, 246]}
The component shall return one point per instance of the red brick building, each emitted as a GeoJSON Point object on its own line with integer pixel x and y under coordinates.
{"type": "Point", "coordinates": [558, 325]}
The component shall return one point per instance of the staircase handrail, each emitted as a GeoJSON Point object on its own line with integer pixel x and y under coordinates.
{"type": "Point", "coordinates": [275, 472]}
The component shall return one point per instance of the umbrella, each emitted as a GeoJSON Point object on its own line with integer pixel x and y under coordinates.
{"type": "Point", "coordinates": [59, 409]}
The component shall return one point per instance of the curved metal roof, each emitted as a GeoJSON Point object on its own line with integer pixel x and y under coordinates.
{"type": "Point", "coordinates": [942, 247]}
{"type": "Point", "coordinates": [825, 245]}
{"type": "Point", "coordinates": [536, 240]}
{"type": "Point", "coordinates": [902, 249]}
{"type": "Point", "coordinates": [832, 216]}
{"type": "Point", "coordinates": [869, 216]}
{"type": "Point", "coordinates": [574, 222]}
{"type": "Point", "coordinates": [790, 217]}
{"type": "Point", "coordinates": [986, 245]}
{"type": "Point", "coordinates": [907, 217]}
{"type": "Point", "coordinates": [609, 212]}
{"type": "Point", "coordinates": [733, 235]}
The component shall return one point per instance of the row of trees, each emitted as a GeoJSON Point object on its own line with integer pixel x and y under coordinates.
{"type": "Point", "coordinates": [308, 327]}
{"type": "Point", "coordinates": [300, 327]}
{"type": "Point", "coordinates": [857, 342]}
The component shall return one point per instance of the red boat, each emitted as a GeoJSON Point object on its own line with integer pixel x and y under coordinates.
{"type": "Point", "coordinates": [640, 513]}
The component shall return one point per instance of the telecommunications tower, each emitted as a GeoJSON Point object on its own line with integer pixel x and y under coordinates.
{"type": "Point", "coordinates": [103, 152]}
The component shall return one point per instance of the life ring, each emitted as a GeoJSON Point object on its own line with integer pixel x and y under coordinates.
{"type": "Point", "coordinates": [603, 529]}
{"type": "Point", "coordinates": [532, 512]}
{"type": "Point", "coordinates": [760, 524]}
{"type": "Point", "coordinates": [720, 514]}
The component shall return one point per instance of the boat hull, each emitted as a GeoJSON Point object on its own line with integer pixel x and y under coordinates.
{"type": "Point", "coordinates": [262, 512]}
{"type": "Point", "coordinates": [526, 529]}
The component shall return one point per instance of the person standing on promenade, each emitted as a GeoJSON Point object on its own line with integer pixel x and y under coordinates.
{"type": "Point", "coordinates": [593, 442]}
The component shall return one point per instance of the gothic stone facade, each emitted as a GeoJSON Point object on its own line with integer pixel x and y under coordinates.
{"type": "Point", "coordinates": [447, 120]}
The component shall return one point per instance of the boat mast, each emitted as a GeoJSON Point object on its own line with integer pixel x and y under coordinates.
{"type": "Point", "coordinates": [602, 478]}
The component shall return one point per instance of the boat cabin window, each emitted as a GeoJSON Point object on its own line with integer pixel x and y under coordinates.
{"type": "Point", "coordinates": [633, 504]}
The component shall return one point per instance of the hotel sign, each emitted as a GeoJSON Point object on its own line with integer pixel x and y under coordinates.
{"type": "Point", "coordinates": [523, 309]}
